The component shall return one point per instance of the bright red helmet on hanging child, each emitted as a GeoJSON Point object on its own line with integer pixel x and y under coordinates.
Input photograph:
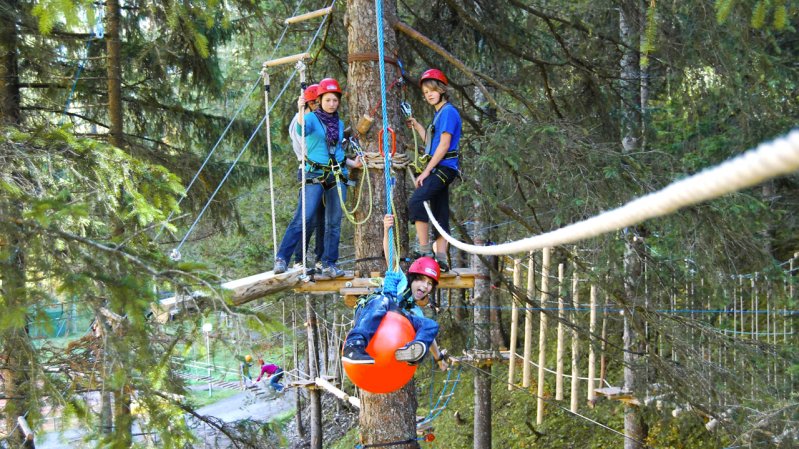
{"type": "Point", "coordinates": [328, 85]}
{"type": "Point", "coordinates": [426, 266]}
{"type": "Point", "coordinates": [311, 93]}
{"type": "Point", "coordinates": [433, 74]}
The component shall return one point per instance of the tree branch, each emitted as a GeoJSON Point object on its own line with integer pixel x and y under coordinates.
{"type": "Point", "coordinates": [419, 37]}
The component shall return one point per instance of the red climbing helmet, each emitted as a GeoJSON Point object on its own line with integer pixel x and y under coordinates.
{"type": "Point", "coordinates": [311, 93]}
{"type": "Point", "coordinates": [426, 266]}
{"type": "Point", "coordinates": [433, 74]}
{"type": "Point", "coordinates": [328, 85]}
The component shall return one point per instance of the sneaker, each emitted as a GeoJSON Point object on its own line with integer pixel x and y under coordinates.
{"type": "Point", "coordinates": [318, 266]}
{"type": "Point", "coordinates": [332, 271]}
{"type": "Point", "coordinates": [411, 353]}
{"type": "Point", "coordinates": [441, 258]}
{"type": "Point", "coordinates": [280, 266]}
{"type": "Point", "coordinates": [355, 354]}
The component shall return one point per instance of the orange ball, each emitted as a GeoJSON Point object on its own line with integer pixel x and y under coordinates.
{"type": "Point", "coordinates": [387, 374]}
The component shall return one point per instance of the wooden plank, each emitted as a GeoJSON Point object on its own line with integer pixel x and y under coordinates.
{"type": "Point", "coordinates": [260, 285]}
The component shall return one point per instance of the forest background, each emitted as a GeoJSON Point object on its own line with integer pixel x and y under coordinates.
{"type": "Point", "coordinates": [570, 108]}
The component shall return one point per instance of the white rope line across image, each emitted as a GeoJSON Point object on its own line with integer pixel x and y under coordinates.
{"type": "Point", "coordinates": [769, 160]}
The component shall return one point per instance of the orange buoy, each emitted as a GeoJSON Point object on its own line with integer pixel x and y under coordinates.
{"type": "Point", "coordinates": [387, 374]}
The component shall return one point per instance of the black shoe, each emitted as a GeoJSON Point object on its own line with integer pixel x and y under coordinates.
{"type": "Point", "coordinates": [356, 355]}
{"type": "Point", "coordinates": [441, 258]}
{"type": "Point", "coordinates": [412, 353]}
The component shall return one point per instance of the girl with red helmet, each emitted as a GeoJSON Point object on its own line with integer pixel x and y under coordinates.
{"type": "Point", "coordinates": [311, 96]}
{"type": "Point", "coordinates": [441, 139]}
{"type": "Point", "coordinates": [325, 177]}
{"type": "Point", "coordinates": [404, 294]}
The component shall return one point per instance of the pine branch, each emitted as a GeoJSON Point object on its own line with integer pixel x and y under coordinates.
{"type": "Point", "coordinates": [424, 40]}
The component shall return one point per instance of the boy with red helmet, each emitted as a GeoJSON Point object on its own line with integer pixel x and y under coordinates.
{"type": "Point", "coordinates": [406, 295]}
{"type": "Point", "coordinates": [441, 139]}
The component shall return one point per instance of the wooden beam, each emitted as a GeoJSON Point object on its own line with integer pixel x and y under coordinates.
{"type": "Point", "coordinates": [338, 393]}
{"type": "Point", "coordinates": [309, 15]}
{"type": "Point", "coordinates": [287, 59]}
{"type": "Point", "coordinates": [26, 432]}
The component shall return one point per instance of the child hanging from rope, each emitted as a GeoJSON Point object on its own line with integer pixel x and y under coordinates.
{"type": "Point", "coordinates": [441, 146]}
{"type": "Point", "coordinates": [405, 294]}
{"type": "Point", "coordinates": [317, 226]}
{"type": "Point", "coordinates": [273, 372]}
{"type": "Point", "coordinates": [325, 178]}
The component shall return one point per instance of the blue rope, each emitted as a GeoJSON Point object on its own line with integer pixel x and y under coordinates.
{"type": "Point", "coordinates": [384, 110]}
{"type": "Point", "coordinates": [75, 80]}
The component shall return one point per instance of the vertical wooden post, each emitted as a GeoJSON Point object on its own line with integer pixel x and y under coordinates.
{"type": "Point", "coordinates": [575, 342]}
{"type": "Point", "coordinates": [561, 332]}
{"type": "Point", "coordinates": [542, 334]}
{"type": "Point", "coordinates": [528, 322]}
{"type": "Point", "coordinates": [603, 356]}
{"type": "Point", "coordinates": [514, 321]}
{"type": "Point", "coordinates": [592, 342]}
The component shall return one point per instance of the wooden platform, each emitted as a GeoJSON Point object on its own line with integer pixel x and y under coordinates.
{"type": "Point", "coordinates": [618, 394]}
{"type": "Point", "coordinates": [479, 357]}
{"type": "Point", "coordinates": [257, 286]}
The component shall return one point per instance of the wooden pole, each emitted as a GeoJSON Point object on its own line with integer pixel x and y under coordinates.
{"type": "Point", "coordinates": [575, 343]}
{"type": "Point", "coordinates": [528, 322]}
{"type": "Point", "coordinates": [26, 432]}
{"type": "Point", "coordinates": [592, 342]}
{"type": "Point", "coordinates": [542, 334]}
{"type": "Point", "coordinates": [514, 321]}
{"type": "Point", "coordinates": [287, 59]}
{"type": "Point", "coordinates": [337, 393]}
{"type": "Point", "coordinates": [561, 336]}
{"type": "Point", "coordinates": [308, 15]}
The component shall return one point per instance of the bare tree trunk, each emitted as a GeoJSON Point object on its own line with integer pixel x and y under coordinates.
{"type": "Point", "coordinates": [114, 70]}
{"type": "Point", "coordinates": [482, 336]}
{"type": "Point", "coordinates": [363, 96]}
{"type": "Point", "coordinates": [298, 367]}
{"type": "Point", "coordinates": [9, 76]}
{"type": "Point", "coordinates": [313, 370]}
{"type": "Point", "coordinates": [630, 25]}
{"type": "Point", "coordinates": [385, 418]}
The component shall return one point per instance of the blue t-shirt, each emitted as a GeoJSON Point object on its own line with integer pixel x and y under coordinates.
{"type": "Point", "coordinates": [447, 119]}
{"type": "Point", "coordinates": [316, 144]}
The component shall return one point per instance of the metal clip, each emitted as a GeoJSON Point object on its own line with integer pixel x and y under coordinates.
{"type": "Point", "coordinates": [406, 109]}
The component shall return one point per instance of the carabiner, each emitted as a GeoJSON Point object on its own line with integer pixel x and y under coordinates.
{"type": "Point", "coordinates": [393, 141]}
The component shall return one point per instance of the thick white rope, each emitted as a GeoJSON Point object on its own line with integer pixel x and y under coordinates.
{"type": "Point", "coordinates": [769, 160]}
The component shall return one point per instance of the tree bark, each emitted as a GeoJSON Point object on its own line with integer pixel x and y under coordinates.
{"type": "Point", "coordinates": [313, 370]}
{"type": "Point", "coordinates": [9, 75]}
{"type": "Point", "coordinates": [114, 70]}
{"type": "Point", "coordinates": [630, 25]}
{"type": "Point", "coordinates": [482, 335]}
{"type": "Point", "coordinates": [14, 343]}
{"type": "Point", "coordinates": [385, 418]}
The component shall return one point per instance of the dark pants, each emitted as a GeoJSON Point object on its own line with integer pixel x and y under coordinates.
{"type": "Point", "coordinates": [274, 381]}
{"type": "Point", "coordinates": [317, 226]}
{"type": "Point", "coordinates": [435, 189]}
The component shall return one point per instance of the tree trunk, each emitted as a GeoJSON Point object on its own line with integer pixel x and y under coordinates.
{"type": "Point", "coordinates": [363, 96]}
{"type": "Point", "coordinates": [482, 336]}
{"type": "Point", "coordinates": [9, 76]}
{"type": "Point", "coordinates": [630, 25]}
{"type": "Point", "coordinates": [313, 370]}
{"type": "Point", "coordinates": [114, 70]}
{"type": "Point", "coordinates": [16, 350]}
{"type": "Point", "coordinates": [298, 396]}
{"type": "Point", "coordinates": [385, 418]}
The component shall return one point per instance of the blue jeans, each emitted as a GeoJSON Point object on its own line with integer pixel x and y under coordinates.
{"type": "Point", "coordinates": [314, 195]}
{"type": "Point", "coordinates": [274, 381]}
{"type": "Point", "coordinates": [368, 318]}
{"type": "Point", "coordinates": [317, 227]}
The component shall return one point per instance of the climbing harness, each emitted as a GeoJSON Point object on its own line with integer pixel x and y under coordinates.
{"type": "Point", "coordinates": [175, 253]}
